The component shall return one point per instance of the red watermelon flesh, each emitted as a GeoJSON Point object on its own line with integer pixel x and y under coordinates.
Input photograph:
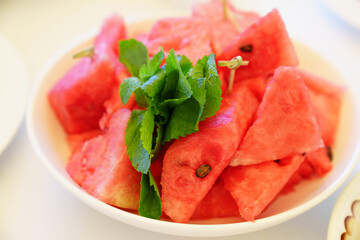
{"type": "Point", "coordinates": [222, 30]}
{"type": "Point", "coordinates": [320, 161]}
{"type": "Point", "coordinates": [305, 171]}
{"type": "Point", "coordinates": [102, 167]}
{"type": "Point", "coordinates": [285, 124]}
{"type": "Point", "coordinates": [114, 102]}
{"type": "Point", "coordinates": [184, 35]}
{"type": "Point", "coordinates": [257, 85]}
{"type": "Point", "coordinates": [254, 186]}
{"type": "Point", "coordinates": [326, 98]}
{"type": "Point", "coordinates": [76, 140]}
{"type": "Point", "coordinates": [271, 48]}
{"type": "Point", "coordinates": [214, 144]}
{"type": "Point", "coordinates": [216, 204]}
{"type": "Point", "coordinates": [78, 97]}
{"type": "Point", "coordinates": [107, 41]}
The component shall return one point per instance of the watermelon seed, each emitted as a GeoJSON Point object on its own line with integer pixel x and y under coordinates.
{"type": "Point", "coordinates": [277, 161]}
{"type": "Point", "coordinates": [303, 154]}
{"type": "Point", "coordinates": [203, 170]}
{"type": "Point", "coordinates": [246, 48]}
{"type": "Point", "coordinates": [329, 153]}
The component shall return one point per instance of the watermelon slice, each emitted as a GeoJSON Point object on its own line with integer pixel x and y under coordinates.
{"type": "Point", "coordinates": [213, 145]}
{"type": "Point", "coordinates": [320, 161]}
{"type": "Point", "coordinates": [326, 98]}
{"type": "Point", "coordinates": [305, 171]}
{"type": "Point", "coordinates": [285, 124]}
{"type": "Point", "coordinates": [184, 35]}
{"type": "Point", "coordinates": [254, 186]}
{"type": "Point", "coordinates": [257, 85]}
{"type": "Point", "coordinates": [222, 30]}
{"type": "Point", "coordinates": [77, 140]}
{"type": "Point", "coordinates": [107, 42]}
{"type": "Point", "coordinates": [265, 44]}
{"type": "Point", "coordinates": [102, 168]}
{"type": "Point", "coordinates": [78, 97]}
{"type": "Point", "coordinates": [216, 204]}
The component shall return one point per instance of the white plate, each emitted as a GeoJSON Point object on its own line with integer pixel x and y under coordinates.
{"type": "Point", "coordinates": [349, 10]}
{"type": "Point", "coordinates": [342, 209]}
{"type": "Point", "coordinates": [13, 91]}
{"type": "Point", "coordinates": [48, 140]}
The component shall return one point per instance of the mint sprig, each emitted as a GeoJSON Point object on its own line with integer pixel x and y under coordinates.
{"type": "Point", "coordinates": [177, 96]}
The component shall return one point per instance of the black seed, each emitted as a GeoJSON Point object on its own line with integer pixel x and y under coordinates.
{"type": "Point", "coordinates": [203, 171]}
{"type": "Point", "coordinates": [277, 161]}
{"type": "Point", "coordinates": [329, 152]}
{"type": "Point", "coordinates": [303, 154]}
{"type": "Point", "coordinates": [246, 48]}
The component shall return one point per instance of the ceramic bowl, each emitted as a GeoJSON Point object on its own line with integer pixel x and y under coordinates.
{"type": "Point", "coordinates": [48, 141]}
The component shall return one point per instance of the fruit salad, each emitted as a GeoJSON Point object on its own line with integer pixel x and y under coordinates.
{"type": "Point", "coordinates": [156, 125]}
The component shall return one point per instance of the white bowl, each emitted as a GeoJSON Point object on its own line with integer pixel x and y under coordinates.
{"type": "Point", "coordinates": [48, 140]}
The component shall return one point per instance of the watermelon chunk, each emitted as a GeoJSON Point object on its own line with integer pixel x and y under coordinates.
{"type": "Point", "coordinates": [217, 203]}
{"type": "Point", "coordinates": [320, 161]}
{"type": "Point", "coordinates": [266, 45]}
{"type": "Point", "coordinates": [184, 35]}
{"type": "Point", "coordinates": [221, 30]}
{"type": "Point", "coordinates": [305, 171]}
{"type": "Point", "coordinates": [102, 168]}
{"type": "Point", "coordinates": [285, 124]}
{"type": "Point", "coordinates": [78, 97]}
{"type": "Point", "coordinates": [77, 140]}
{"type": "Point", "coordinates": [214, 145]}
{"type": "Point", "coordinates": [254, 186]}
{"type": "Point", "coordinates": [326, 98]}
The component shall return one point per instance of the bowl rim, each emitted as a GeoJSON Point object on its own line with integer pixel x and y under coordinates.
{"type": "Point", "coordinates": [166, 227]}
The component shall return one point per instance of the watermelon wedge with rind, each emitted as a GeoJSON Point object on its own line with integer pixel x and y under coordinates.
{"type": "Point", "coordinates": [270, 44]}
{"type": "Point", "coordinates": [103, 169]}
{"type": "Point", "coordinates": [214, 145]}
{"type": "Point", "coordinates": [285, 124]}
{"type": "Point", "coordinates": [255, 186]}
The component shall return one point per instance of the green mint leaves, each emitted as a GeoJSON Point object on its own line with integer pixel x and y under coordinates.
{"type": "Point", "coordinates": [150, 202]}
{"type": "Point", "coordinates": [177, 96]}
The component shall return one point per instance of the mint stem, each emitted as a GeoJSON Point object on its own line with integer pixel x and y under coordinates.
{"type": "Point", "coordinates": [88, 52]}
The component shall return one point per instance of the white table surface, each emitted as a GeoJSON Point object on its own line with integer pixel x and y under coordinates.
{"type": "Point", "coordinates": [34, 206]}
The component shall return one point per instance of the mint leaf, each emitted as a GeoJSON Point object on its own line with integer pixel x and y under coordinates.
{"type": "Point", "coordinates": [127, 87]}
{"type": "Point", "coordinates": [175, 75]}
{"type": "Point", "coordinates": [138, 155]}
{"type": "Point", "coordinates": [213, 90]}
{"type": "Point", "coordinates": [197, 82]}
{"type": "Point", "coordinates": [155, 84]}
{"type": "Point", "coordinates": [146, 131]}
{"type": "Point", "coordinates": [184, 120]}
{"type": "Point", "coordinates": [150, 201]}
{"type": "Point", "coordinates": [185, 63]}
{"type": "Point", "coordinates": [140, 98]}
{"type": "Point", "coordinates": [133, 54]}
{"type": "Point", "coordinates": [148, 70]}
{"type": "Point", "coordinates": [157, 141]}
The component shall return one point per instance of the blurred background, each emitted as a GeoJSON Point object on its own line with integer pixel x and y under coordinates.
{"type": "Point", "coordinates": [34, 206]}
